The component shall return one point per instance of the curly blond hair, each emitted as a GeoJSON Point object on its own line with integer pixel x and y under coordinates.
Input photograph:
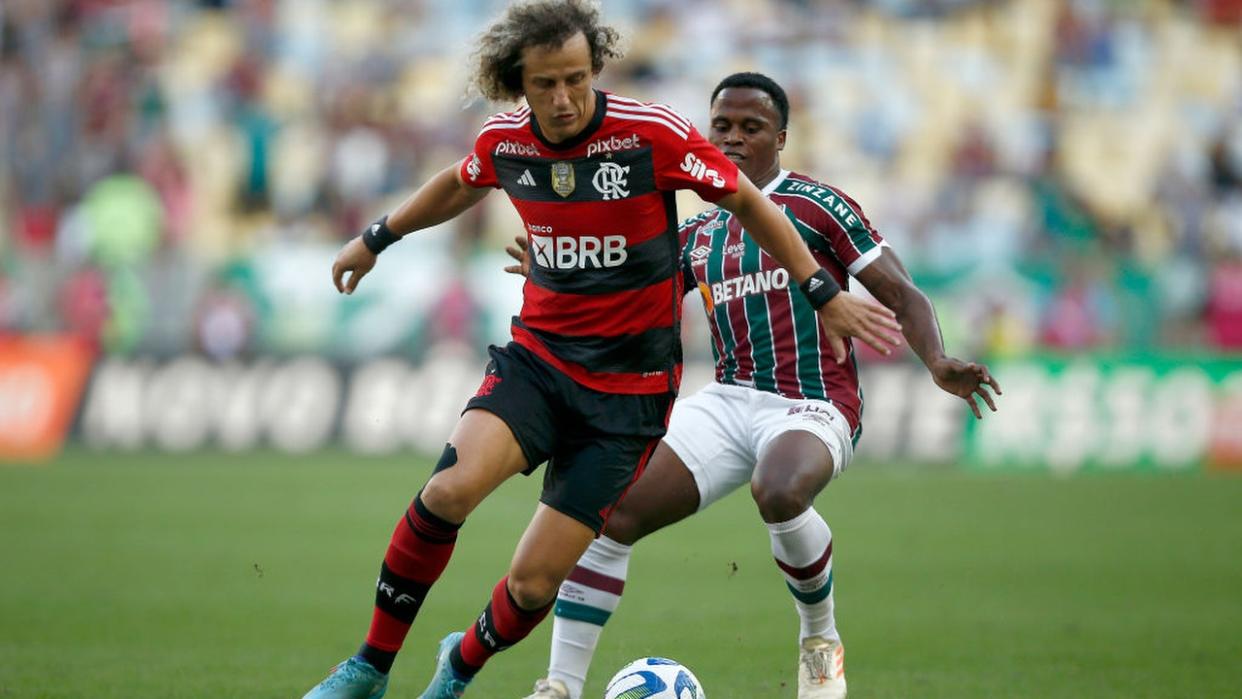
{"type": "Point", "coordinates": [497, 58]}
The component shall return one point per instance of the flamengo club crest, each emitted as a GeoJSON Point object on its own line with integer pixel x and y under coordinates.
{"type": "Point", "coordinates": [612, 181]}
{"type": "Point", "coordinates": [563, 178]}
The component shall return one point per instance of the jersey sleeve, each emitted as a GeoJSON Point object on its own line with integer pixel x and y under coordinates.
{"type": "Point", "coordinates": [684, 234]}
{"type": "Point", "coordinates": [693, 163]}
{"type": "Point", "coordinates": [847, 232]}
{"type": "Point", "coordinates": [477, 169]}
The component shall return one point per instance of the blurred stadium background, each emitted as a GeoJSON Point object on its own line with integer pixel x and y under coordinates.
{"type": "Point", "coordinates": [1063, 178]}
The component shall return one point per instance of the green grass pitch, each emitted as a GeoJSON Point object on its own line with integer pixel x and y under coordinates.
{"type": "Point", "coordinates": [248, 576]}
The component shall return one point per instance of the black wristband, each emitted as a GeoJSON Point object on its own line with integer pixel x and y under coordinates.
{"type": "Point", "coordinates": [378, 236]}
{"type": "Point", "coordinates": [820, 288]}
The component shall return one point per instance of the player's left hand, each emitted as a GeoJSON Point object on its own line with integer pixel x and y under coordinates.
{"type": "Point", "coordinates": [965, 380]}
{"type": "Point", "coordinates": [519, 253]}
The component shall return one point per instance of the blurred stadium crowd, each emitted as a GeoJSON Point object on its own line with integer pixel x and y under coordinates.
{"type": "Point", "coordinates": [178, 175]}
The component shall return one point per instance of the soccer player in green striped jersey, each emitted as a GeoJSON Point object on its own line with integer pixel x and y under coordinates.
{"type": "Point", "coordinates": [781, 416]}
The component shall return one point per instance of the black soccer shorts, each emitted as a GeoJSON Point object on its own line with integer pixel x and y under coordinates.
{"type": "Point", "coordinates": [596, 444]}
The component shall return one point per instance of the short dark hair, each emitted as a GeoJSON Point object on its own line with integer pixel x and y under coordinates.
{"type": "Point", "coordinates": [758, 81]}
{"type": "Point", "coordinates": [497, 57]}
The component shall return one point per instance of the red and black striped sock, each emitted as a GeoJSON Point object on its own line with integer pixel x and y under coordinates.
{"type": "Point", "coordinates": [418, 552]}
{"type": "Point", "coordinates": [502, 624]}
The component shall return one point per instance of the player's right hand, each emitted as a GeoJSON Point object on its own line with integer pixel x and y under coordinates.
{"type": "Point", "coordinates": [356, 259]}
{"type": "Point", "coordinates": [520, 254]}
{"type": "Point", "coordinates": [850, 315]}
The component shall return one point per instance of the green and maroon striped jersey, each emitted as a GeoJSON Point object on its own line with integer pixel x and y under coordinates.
{"type": "Point", "coordinates": [765, 334]}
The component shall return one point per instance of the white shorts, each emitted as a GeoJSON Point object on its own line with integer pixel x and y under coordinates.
{"type": "Point", "coordinates": [722, 431]}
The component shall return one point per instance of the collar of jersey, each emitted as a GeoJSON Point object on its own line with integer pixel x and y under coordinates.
{"type": "Point", "coordinates": [601, 108]}
{"type": "Point", "coordinates": [776, 182]}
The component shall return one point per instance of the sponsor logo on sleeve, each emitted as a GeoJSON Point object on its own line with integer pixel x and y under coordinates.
{"type": "Point", "coordinates": [700, 171]}
{"type": "Point", "coordinates": [474, 168]}
{"type": "Point", "coordinates": [841, 209]}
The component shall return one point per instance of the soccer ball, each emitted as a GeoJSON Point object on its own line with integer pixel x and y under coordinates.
{"type": "Point", "coordinates": [654, 678]}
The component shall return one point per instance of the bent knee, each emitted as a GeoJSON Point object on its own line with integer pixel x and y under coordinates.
{"type": "Point", "coordinates": [533, 590]}
{"type": "Point", "coordinates": [448, 499]}
{"type": "Point", "coordinates": [780, 502]}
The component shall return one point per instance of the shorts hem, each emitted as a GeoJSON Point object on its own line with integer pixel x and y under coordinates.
{"type": "Point", "coordinates": [837, 451]}
{"type": "Point", "coordinates": [697, 472]}
{"type": "Point", "coordinates": [590, 522]}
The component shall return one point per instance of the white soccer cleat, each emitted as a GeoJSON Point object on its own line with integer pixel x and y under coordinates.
{"type": "Point", "coordinates": [821, 669]}
{"type": "Point", "coordinates": [550, 689]}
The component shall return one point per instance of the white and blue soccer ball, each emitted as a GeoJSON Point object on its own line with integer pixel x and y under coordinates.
{"type": "Point", "coordinates": [654, 678]}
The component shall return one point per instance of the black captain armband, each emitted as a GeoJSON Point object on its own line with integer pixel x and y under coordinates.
{"type": "Point", "coordinates": [820, 288]}
{"type": "Point", "coordinates": [379, 236]}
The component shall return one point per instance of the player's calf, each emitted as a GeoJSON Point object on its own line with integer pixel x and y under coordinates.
{"type": "Point", "coordinates": [584, 604]}
{"type": "Point", "coordinates": [418, 552]}
{"type": "Point", "coordinates": [503, 623]}
{"type": "Point", "coordinates": [802, 548]}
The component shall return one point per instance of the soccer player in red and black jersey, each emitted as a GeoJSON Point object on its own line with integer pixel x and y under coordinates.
{"type": "Point", "coordinates": [782, 416]}
{"type": "Point", "coordinates": [589, 379]}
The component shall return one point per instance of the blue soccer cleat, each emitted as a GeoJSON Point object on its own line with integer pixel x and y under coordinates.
{"type": "Point", "coordinates": [352, 679]}
{"type": "Point", "coordinates": [446, 683]}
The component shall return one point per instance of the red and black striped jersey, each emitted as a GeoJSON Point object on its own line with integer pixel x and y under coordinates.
{"type": "Point", "coordinates": [765, 334]}
{"type": "Point", "coordinates": [603, 299]}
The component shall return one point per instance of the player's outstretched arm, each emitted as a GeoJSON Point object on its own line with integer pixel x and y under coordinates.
{"type": "Point", "coordinates": [443, 197]}
{"type": "Point", "coordinates": [887, 279]}
{"type": "Point", "coordinates": [843, 314]}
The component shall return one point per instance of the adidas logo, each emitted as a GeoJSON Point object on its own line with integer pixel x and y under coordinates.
{"type": "Point", "coordinates": [813, 284]}
{"type": "Point", "coordinates": [527, 179]}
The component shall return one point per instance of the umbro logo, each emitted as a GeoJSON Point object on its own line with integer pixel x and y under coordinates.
{"type": "Point", "coordinates": [527, 179]}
